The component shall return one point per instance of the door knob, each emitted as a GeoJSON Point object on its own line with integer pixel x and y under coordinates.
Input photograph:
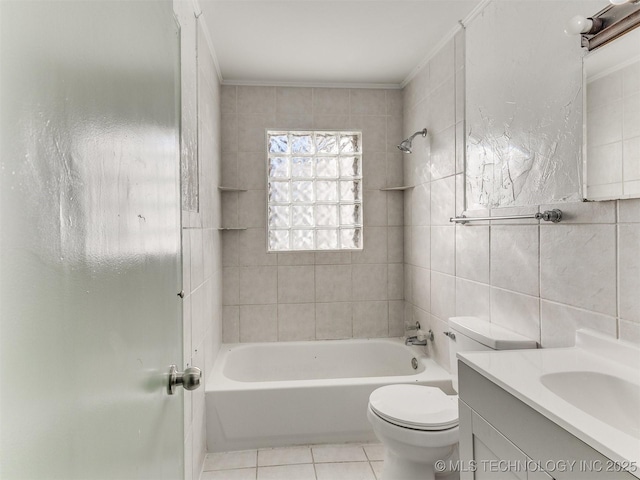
{"type": "Point", "coordinates": [189, 379]}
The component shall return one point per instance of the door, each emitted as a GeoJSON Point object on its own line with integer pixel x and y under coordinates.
{"type": "Point", "coordinates": [90, 319]}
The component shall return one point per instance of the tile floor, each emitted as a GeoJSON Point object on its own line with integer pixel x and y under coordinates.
{"type": "Point", "coordinates": [312, 462]}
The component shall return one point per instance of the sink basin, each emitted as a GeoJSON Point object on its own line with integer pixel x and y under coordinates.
{"type": "Point", "coordinates": [610, 399]}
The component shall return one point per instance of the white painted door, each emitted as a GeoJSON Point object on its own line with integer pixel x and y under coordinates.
{"type": "Point", "coordinates": [90, 319]}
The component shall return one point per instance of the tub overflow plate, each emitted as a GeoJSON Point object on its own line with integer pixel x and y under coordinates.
{"type": "Point", "coordinates": [414, 363]}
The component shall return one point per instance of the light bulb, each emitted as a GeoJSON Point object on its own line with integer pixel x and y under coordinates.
{"type": "Point", "coordinates": [619, 2]}
{"type": "Point", "coordinates": [578, 25]}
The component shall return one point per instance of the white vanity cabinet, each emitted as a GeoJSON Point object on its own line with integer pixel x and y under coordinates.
{"type": "Point", "coordinates": [502, 438]}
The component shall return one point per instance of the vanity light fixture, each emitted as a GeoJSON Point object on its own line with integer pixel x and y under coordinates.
{"type": "Point", "coordinates": [579, 24]}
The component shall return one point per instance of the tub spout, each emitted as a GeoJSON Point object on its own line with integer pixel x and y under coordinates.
{"type": "Point", "coordinates": [414, 341]}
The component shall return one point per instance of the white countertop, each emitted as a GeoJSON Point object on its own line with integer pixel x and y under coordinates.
{"type": "Point", "coordinates": [519, 372]}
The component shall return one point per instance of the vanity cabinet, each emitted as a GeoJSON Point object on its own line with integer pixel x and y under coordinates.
{"type": "Point", "coordinates": [503, 438]}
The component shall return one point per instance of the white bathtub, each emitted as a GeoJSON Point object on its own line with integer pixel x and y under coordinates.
{"type": "Point", "coordinates": [279, 394]}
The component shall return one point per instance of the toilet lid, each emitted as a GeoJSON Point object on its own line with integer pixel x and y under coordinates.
{"type": "Point", "coordinates": [415, 406]}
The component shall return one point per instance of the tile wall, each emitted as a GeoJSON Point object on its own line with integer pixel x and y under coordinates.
{"type": "Point", "coordinates": [201, 243]}
{"type": "Point", "coordinates": [308, 296]}
{"type": "Point", "coordinates": [541, 280]}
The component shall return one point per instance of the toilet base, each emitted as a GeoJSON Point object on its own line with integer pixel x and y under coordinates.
{"type": "Point", "coordinates": [397, 468]}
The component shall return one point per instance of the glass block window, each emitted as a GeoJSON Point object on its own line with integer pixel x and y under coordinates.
{"type": "Point", "coordinates": [314, 192]}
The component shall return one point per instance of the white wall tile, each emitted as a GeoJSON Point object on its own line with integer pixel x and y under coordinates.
{"type": "Point", "coordinates": [516, 312]}
{"type": "Point", "coordinates": [443, 249]}
{"type": "Point", "coordinates": [230, 248]}
{"type": "Point", "coordinates": [558, 323]}
{"type": "Point", "coordinates": [472, 253]}
{"type": "Point", "coordinates": [421, 288]}
{"type": "Point", "coordinates": [230, 210]}
{"type": "Point", "coordinates": [473, 299]}
{"type": "Point", "coordinates": [294, 100]}
{"type": "Point", "coordinates": [370, 319]}
{"type": "Point", "coordinates": [230, 324]}
{"type": "Point", "coordinates": [252, 209]}
{"type": "Point", "coordinates": [230, 169]}
{"type": "Point", "coordinates": [395, 208]}
{"type": "Point", "coordinates": [375, 209]}
{"type": "Point", "coordinates": [421, 205]}
{"type": "Point", "coordinates": [186, 260]}
{"type": "Point", "coordinates": [443, 194]}
{"type": "Point", "coordinates": [421, 246]}
{"type": "Point", "coordinates": [296, 321]}
{"type": "Point", "coordinates": [629, 271]}
{"type": "Point", "coordinates": [198, 315]}
{"type": "Point", "coordinates": [577, 266]}
{"type": "Point", "coordinates": [252, 171]}
{"type": "Point", "coordinates": [396, 318]}
{"type": "Point", "coordinates": [258, 285]}
{"type": "Point", "coordinates": [296, 258]}
{"type": "Point", "coordinates": [229, 133]}
{"type": "Point", "coordinates": [197, 266]}
{"type": "Point", "coordinates": [333, 283]}
{"type": "Point", "coordinates": [368, 102]}
{"type": "Point", "coordinates": [396, 281]}
{"type": "Point", "coordinates": [514, 258]}
{"type": "Point", "coordinates": [443, 295]}
{"type": "Point", "coordinates": [331, 101]}
{"type": "Point", "coordinates": [252, 248]}
{"type": "Point", "coordinates": [395, 244]}
{"type": "Point", "coordinates": [230, 286]}
{"type": "Point", "coordinates": [369, 282]}
{"type": "Point", "coordinates": [295, 121]}
{"type": "Point", "coordinates": [332, 258]}
{"type": "Point", "coordinates": [375, 246]}
{"type": "Point", "coordinates": [252, 131]}
{"type": "Point", "coordinates": [629, 331]}
{"type": "Point", "coordinates": [629, 211]}
{"type": "Point", "coordinates": [334, 320]}
{"type": "Point", "coordinates": [258, 323]}
{"type": "Point", "coordinates": [443, 153]}
{"type": "Point", "coordinates": [374, 170]}
{"type": "Point", "coordinates": [256, 99]}
{"type": "Point", "coordinates": [296, 284]}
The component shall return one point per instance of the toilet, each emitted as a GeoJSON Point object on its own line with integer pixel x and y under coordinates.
{"type": "Point", "coordinates": [418, 425]}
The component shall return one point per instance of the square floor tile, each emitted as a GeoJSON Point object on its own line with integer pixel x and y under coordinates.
{"type": "Point", "coordinates": [374, 452]}
{"type": "Point", "coordinates": [377, 469]}
{"type": "Point", "coordinates": [287, 472]}
{"type": "Point", "coordinates": [235, 474]}
{"type": "Point", "coordinates": [284, 456]}
{"type": "Point", "coordinates": [345, 471]}
{"type": "Point", "coordinates": [228, 460]}
{"type": "Point", "coordinates": [338, 453]}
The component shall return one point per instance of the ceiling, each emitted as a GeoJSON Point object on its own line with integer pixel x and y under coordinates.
{"type": "Point", "coordinates": [328, 42]}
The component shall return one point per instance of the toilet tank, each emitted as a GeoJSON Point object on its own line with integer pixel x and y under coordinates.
{"type": "Point", "coordinates": [469, 334]}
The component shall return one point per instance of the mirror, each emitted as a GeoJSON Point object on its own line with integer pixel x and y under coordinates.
{"type": "Point", "coordinates": [612, 140]}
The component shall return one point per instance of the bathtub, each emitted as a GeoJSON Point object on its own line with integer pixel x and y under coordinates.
{"type": "Point", "coordinates": [281, 394]}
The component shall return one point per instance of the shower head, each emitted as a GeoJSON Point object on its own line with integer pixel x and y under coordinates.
{"type": "Point", "coordinates": [405, 145]}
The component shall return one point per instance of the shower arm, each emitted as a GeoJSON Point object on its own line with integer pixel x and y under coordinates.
{"type": "Point", "coordinates": [422, 132]}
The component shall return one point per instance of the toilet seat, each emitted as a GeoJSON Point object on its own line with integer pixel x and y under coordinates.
{"type": "Point", "coordinates": [415, 406]}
